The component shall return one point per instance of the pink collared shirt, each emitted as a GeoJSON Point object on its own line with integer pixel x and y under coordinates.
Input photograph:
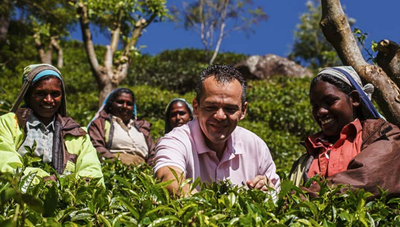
{"type": "Point", "coordinates": [245, 157]}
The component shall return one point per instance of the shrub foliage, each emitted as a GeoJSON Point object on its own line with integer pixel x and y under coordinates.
{"type": "Point", "coordinates": [132, 197]}
{"type": "Point", "coordinates": [278, 112]}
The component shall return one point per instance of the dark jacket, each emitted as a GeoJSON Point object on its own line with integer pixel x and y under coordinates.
{"type": "Point", "coordinates": [378, 164]}
{"type": "Point", "coordinates": [97, 131]}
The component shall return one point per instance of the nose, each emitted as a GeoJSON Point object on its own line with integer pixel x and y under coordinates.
{"type": "Point", "coordinates": [322, 111]}
{"type": "Point", "coordinates": [220, 114]}
{"type": "Point", "coordinates": [124, 105]}
{"type": "Point", "coordinates": [48, 98]}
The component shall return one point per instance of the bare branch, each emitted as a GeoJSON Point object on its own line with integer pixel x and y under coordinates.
{"type": "Point", "coordinates": [337, 31]}
{"type": "Point", "coordinates": [88, 44]}
{"type": "Point", "coordinates": [221, 32]}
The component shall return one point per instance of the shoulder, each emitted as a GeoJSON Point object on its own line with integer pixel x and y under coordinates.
{"type": "Point", "coordinates": [8, 117]}
{"type": "Point", "coordinates": [246, 136]}
{"type": "Point", "coordinates": [70, 127]}
{"type": "Point", "coordinates": [378, 128]}
{"type": "Point", "coordinates": [143, 124]}
{"type": "Point", "coordinates": [9, 120]}
{"type": "Point", "coordinates": [182, 134]}
{"type": "Point", "coordinates": [247, 142]}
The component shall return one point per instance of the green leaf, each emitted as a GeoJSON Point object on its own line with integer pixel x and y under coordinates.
{"type": "Point", "coordinates": [34, 203]}
{"type": "Point", "coordinates": [130, 207]}
{"type": "Point", "coordinates": [50, 201]}
{"type": "Point", "coordinates": [103, 220]}
{"type": "Point", "coordinates": [164, 220]}
{"type": "Point", "coordinates": [164, 208]}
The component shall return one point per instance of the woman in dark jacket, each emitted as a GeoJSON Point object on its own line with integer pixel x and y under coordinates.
{"type": "Point", "coordinates": [356, 146]}
{"type": "Point", "coordinates": [115, 131]}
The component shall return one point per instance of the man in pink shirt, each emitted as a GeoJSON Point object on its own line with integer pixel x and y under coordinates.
{"type": "Point", "coordinates": [212, 146]}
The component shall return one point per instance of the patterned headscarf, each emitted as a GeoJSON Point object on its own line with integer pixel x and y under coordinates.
{"type": "Point", "coordinates": [167, 128]}
{"type": "Point", "coordinates": [31, 75]}
{"type": "Point", "coordinates": [348, 75]}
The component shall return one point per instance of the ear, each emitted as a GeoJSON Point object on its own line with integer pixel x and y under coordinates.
{"type": "Point", "coordinates": [195, 105]}
{"type": "Point", "coordinates": [244, 110]}
{"type": "Point", "coordinates": [355, 98]}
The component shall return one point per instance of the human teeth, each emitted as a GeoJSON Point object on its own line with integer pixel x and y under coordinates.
{"type": "Point", "coordinates": [326, 121]}
{"type": "Point", "coordinates": [47, 107]}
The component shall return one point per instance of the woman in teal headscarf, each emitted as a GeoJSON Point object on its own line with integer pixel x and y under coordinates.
{"type": "Point", "coordinates": [41, 123]}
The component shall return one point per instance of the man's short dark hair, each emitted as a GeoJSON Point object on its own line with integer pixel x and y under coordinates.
{"type": "Point", "coordinates": [223, 74]}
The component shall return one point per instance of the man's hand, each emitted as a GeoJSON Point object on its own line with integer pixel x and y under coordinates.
{"type": "Point", "coordinates": [165, 174]}
{"type": "Point", "coordinates": [260, 182]}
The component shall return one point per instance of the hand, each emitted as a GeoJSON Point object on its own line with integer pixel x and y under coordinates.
{"type": "Point", "coordinates": [260, 182]}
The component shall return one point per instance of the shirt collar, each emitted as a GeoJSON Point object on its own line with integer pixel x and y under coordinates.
{"type": "Point", "coordinates": [119, 121]}
{"type": "Point", "coordinates": [33, 122]}
{"type": "Point", "coordinates": [316, 141]}
{"type": "Point", "coordinates": [199, 141]}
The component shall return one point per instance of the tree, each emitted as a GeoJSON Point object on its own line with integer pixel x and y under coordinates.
{"type": "Point", "coordinates": [337, 31]}
{"type": "Point", "coordinates": [46, 20]}
{"type": "Point", "coordinates": [310, 46]}
{"type": "Point", "coordinates": [126, 21]}
{"type": "Point", "coordinates": [49, 26]}
{"type": "Point", "coordinates": [215, 19]}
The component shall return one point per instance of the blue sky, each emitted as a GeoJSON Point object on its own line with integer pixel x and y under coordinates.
{"type": "Point", "coordinates": [378, 18]}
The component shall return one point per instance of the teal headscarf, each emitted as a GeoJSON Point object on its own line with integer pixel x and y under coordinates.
{"type": "Point", "coordinates": [34, 73]}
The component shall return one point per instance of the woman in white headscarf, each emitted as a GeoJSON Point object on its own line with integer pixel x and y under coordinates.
{"type": "Point", "coordinates": [355, 146]}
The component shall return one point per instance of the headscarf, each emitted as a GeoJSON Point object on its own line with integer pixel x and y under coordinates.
{"type": "Point", "coordinates": [31, 75]}
{"type": "Point", "coordinates": [167, 128]}
{"type": "Point", "coordinates": [348, 75]}
{"type": "Point", "coordinates": [107, 102]}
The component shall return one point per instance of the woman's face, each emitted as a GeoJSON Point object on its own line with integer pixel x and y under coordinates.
{"type": "Point", "coordinates": [45, 99]}
{"type": "Point", "coordinates": [122, 107]}
{"type": "Point", "coordinates": [332, 109]}
{"type": "Point", "coordinates": [178, 115]}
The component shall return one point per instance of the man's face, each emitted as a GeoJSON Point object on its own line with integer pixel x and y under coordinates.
{"type": "Point", "coordinates": [219, 111]}
{"type": "Point", "coordinates": [45, 99]}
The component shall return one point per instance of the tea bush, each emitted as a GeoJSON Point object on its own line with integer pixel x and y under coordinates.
{"type": "Point", "coordinates": [175, 70]}
{"type": "Point", "coordinates": [132, 197]}
{"type": "Point", "coordinates": [278, 112]}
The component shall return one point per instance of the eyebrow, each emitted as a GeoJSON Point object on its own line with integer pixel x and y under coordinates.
{"type": "Point", "coordinates": [224, 105]}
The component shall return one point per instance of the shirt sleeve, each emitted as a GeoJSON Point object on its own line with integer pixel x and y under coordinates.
{"type": "Point", "coordinates": [171, 151]}
{"type": "Point", "coordinates": [10, 133]}
{"type": "Point", "coordinates": [268, 168]}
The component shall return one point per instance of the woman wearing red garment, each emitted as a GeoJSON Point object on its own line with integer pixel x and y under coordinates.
{"type": "Point", "coordinates": [355, 146]}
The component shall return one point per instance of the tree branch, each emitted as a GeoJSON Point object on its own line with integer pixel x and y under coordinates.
{"type": "Point", "coordinates": [389, 59]}
{"type": "Point", "coordinates": [337, 31]}
{"type": "Point", "coordinates": [221, 32]}
{"type": "Point", "coordinates": [60, 55]}
{"type": "Point", "coordinates": [89, 46]}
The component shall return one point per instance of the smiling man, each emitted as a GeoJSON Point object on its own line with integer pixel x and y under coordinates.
{"type": "Point", "coordinates": [212, 146]}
